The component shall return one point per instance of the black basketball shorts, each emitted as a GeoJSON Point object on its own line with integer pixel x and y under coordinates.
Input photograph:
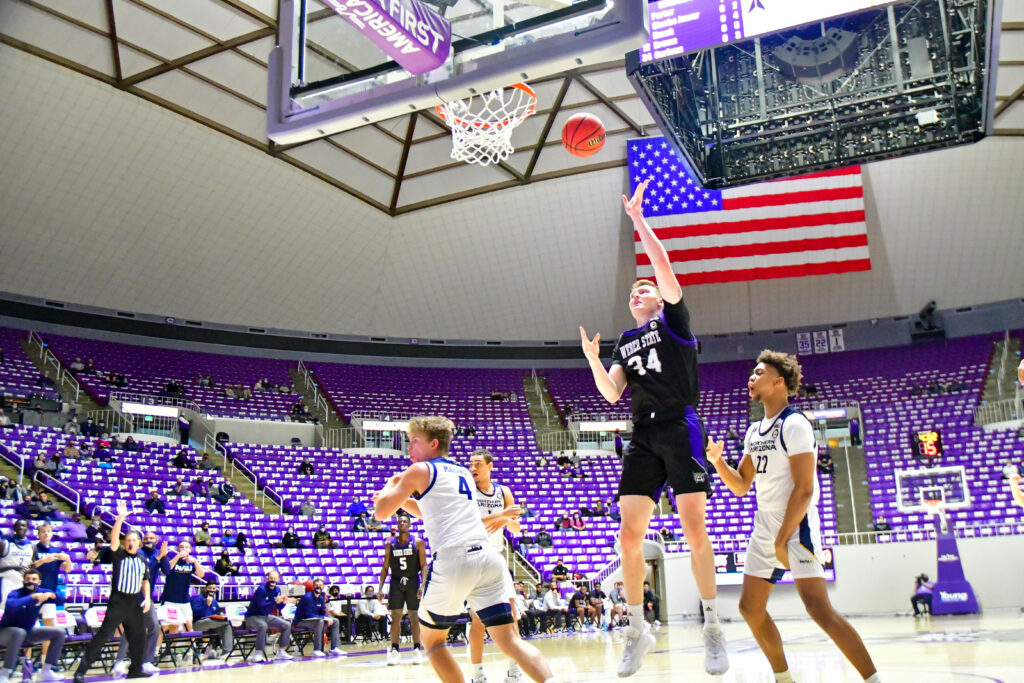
{"type": "Point", "coordinates": [404, 595]}
{"type": "Point", "coordinates": [668, 451]}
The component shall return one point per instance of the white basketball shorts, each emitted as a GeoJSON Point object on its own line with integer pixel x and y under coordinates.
{"type": "Point", "coordinates": [805, 557]}
{"type": "Point", "coordinates": [474, 574]}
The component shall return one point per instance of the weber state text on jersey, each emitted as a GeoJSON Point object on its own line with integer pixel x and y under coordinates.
{"type": "Point", "coordinates": [660, 361]}
{"type": "Point", "coordinates": [770, 443]}
{"type": "Point", "coordinates": [405, 560]}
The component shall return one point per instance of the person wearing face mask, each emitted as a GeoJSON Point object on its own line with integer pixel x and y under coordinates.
{"type": "Point", "coordinates": [48, 561]}
{"type": "Point", "coordinates": [209, 618]}
{"type": "Point", "coordinates": [179, 571]}
{"type": "Point", "coordinates": [15, 555]}
{"type": "Point", "coordinates": [129, 601]}
{"type": "Point", "coordinates": [266, 599]}
{"type": "Point", "coordinates": [312, 613]}
{"type": "Point", "coordinates": [154, 634]}
{"type": "Point", "coordinates": [18, 628]}
{"type": "Point", "coordinates": [335, 609]}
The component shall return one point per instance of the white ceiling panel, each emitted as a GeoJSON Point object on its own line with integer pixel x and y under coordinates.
{"type": "Point", "coordinates": [133, 62]}
{"type": "Point", "coordinates": [92, 13]}
{"type": "Point", "coordinates": [458, 179]}
{"type": "Point", "coordinates": [260, 49]}
{"type": "Point", "coordinates": [209, 102]}
{"type": "Point", "coordinates": [214, 18]}
{"type": "Point", "coordinates": [352, 172]}
{"type": "Point", "coordinates": [267, 8]}
{"type": "Point", "coordinates": [160, 36]}
{"type": "Point", "coordinates": [371, 143]}
{"type": "Point", "coordinates": [235, 72]}
{"type": "Point", "coordinates": [42, 29]}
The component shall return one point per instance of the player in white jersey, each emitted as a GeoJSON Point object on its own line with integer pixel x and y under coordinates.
{"type": "Point", "coordinates": [780, 456]}
{"type": "Point", "coordinates": [498, 510]}
{"type": "Point", "coordinates": [465, 567]}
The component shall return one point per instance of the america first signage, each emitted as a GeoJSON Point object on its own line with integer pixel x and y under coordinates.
{"type": "Point", "coordinates": [411, 33]}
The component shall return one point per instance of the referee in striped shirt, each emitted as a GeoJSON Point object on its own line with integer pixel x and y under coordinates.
{"type": "Point", "coordinates": [129, 600]}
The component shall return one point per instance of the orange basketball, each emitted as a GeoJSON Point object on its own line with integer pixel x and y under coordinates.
{"type": "Point", "coordinates": [583, 135]}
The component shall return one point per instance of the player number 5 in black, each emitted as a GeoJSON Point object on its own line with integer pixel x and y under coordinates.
{"type": "Point", "coordinates": [653, 363]}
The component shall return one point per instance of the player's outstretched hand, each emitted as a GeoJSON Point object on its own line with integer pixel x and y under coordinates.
{"type": "Point", "coordinates": [635, 206]}
{"type": "Point", "coordinates": [714, 451]}
{"type": "Point", "coordinates": [591, 347]}
{"type": "Point", "coordinates": [1020, 372]}
{"type": "Point", "coordinates": [1015, 479]}
{"type": "Point", "coordinates": [122, 510]}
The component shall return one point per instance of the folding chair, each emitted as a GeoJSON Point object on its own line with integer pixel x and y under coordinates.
{"type": "Point", "coordinates": [108, 653]}
{"type": "Point", "coordinates": [74, 644]}
{"type": "Point", "coordinates": [245, 639]}
{"type": "Point", "coordinates": [176, 645]}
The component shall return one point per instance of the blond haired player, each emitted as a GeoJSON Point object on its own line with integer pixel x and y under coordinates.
{"type": "Point", "coordinates": [780, 455]}
{"type": "Point", "coordinates": [498, 510]}
{"type": "Point", "coordinates": [465, 567]}
{"type": "Point", "coordinates": [658, 362]}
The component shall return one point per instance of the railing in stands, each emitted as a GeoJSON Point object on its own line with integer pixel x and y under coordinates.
{"type": "Point", "coordinates": [153, 400]}
{"type": "Point", "coordinates": [264, 490]}
{"type": "Point", "coordinates": [319, 399]}
{"type": "Point", "coordinates": [343, 437]}
{"type": "Point", "coordinates": [16, 459]}
{"type": "Point", "coordinates": [1007, 410]}
{"type": "Point", "coordinates": [113, 420]}
{"type": "Point", "coordinates": [517, 562]}
{"type": "Point", "coordinates": [556, 441]}
{"type": "Point", "coordinates": [59, 489]}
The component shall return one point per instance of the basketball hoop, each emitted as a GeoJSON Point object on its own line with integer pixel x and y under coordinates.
{"type": "Point", "coordinates": [932, 507]}
{"type": "Point", "coordinates": [482, 125]}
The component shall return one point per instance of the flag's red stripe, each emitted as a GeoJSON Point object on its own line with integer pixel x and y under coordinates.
{"type": "Point", "coordinates": [848, 170]}
{"type": "Point", "coordinates": [720, 276]}
{"type": "Point", "coordinates": [755, 225]}
{"type": "Point", "coordinates": [802, 197]}
{"type": "Point", "coordinates": [762, 249]}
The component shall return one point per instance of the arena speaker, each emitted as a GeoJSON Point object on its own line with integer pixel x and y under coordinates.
{"type": "Point", "coordinates": [818, 60]}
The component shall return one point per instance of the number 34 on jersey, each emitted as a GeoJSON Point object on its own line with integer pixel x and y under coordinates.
{"type": "Point", "coordinates": [637, 355]}
{"type": "Point", "coordinates": [641, 366]}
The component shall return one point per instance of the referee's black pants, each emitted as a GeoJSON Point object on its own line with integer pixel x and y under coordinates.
{"type": "Point", "coordinates": [122, 609]}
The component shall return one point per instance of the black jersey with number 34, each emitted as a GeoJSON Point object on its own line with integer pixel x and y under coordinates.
{"type": "Point", "coordinates": [660, 361]}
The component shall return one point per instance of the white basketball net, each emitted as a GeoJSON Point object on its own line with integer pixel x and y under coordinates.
{"type": "Point", "coordinates": [482, 125]}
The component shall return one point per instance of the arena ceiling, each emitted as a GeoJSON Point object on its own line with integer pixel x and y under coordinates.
{"type": "Point", "coordinates": [206, 60]}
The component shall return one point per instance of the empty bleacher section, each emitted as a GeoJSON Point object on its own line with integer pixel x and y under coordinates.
{"type": "Point", "coordinates": [147, 370]}
{"type": "Point", "coordinates": [18, 374]}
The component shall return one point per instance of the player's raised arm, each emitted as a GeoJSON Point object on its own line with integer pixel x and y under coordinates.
{"type": "Point", "coordinates": [1015, 491]}
{"type": "Point", "coordinates": [396, 492]}
{"type": "Point", "coordinates": [668, 285]}
{"type": "Point", "coordinates": [738, 480]}
{"type": "Point", "coordinates": [611, 383]}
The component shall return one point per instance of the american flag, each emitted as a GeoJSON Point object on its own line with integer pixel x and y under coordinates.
{"type": "Point", "coordinates": [808, 225]}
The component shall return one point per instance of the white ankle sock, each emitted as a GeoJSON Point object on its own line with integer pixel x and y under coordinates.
{"type": "Point", "coordinates": [710, 611]}
{"type": "Point", "coordinates": [478, 668]}
{"type": "Point", "coordinates": [873, 678]}
{"type": "Point", "coordinates": [636, 615]}
{"type": "Point", "coordinates": [513, 668]}
{"type": "Point", "coordinates": [783, 677]}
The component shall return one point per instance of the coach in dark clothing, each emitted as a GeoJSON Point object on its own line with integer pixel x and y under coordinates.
{"type": "Point", "coordinates": [312, 613]}
{"type": "Point", "coordinates": [266, 599]}
{"type": "Point", "coordinates": [129, 600]}
{"type": "Point", "coordinates": [208, 616]}
{"type": "Point", "coordinates": [18, 627]}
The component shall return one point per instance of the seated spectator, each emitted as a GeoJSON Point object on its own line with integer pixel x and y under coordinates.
{"type": "Point", "coordinates": [826, 466]}
{"type": "Point", "coordinates": [360, 523]}
{"type": "Point", "coordinates": [179, 489]}
{"type": "Point", "coordinates": [371, 614]}
{"type": "Point", "coordinates": [229, 391]}
{"type": "Point", "coordinates": [306, 467]}
{"type": "Point", "coordinates": [26, 508]}
{"type": "Point", "coordinates": [131, 445]}
{"type": "Point", "coordinates": [600, 509]}
{"type": "Point", "coordinates": [667, 535]}
{"type": "Point", "coordinates": [100, 553]}
{"type": "Point", "coordinates": [41, 464]}
{"type": "Point", "coordinates": [561, 523]}
{"type": "Point", "coordinates": [618, 600]}
{"type": "Point", "coordinates": [555, 608]}
{"type": "Point", "coordinates": [70, 427]}
{"type": "Point", "coordinates": [182, 460]}
{"type": "Point", "coordinates": [155, 505]}
{"type": "Point", "coordinates": [243, 392]}
{"type": "Point", "coordinates": [86, 451]}
{"type": "Point", "coordinates": [224, 566]}
{"type": "Point", "coordinates": [223, 493]}
{"type": "Point", "coordinates": [71, 450]}
{"type": "Point", "coordinates": [525, 511]}
{"type": "Point", "coordinates": [198, 488]}
{"type": "Point", "coordinates": [202, 536]}
{"type": "Point", "coordinates": [312, 613]}
{"type": "Point", "coordinates": [45, 508]}
{"type": "Point", "coordinates": [90, 367]}
{"type": "Point", "coordinates": [241, 542]}
{"type": "Point", "coordinates": [202, 381]}
{"type": "Point", "coordinates": [652, 612]}
{"type": "Point", "coordinates": [206, 463]}
{"type": "Point", "coordinates": [5, 421]}
{"type": "Point", "coordinates": [95, 531]}
{"type": "Point", "coordinates": [576, 522]}
{"type": "Point", "coordinates": [102, 451]}
{"type": "Point", "coordinates": [89, 429]}
{"type": "Point", "coordinates": [307, 509]}
{"type": "Point", "coordinates": [12, 490]}
{"type": "Point", "coordinates": [543, 539]}
{"type": "Point", "coordinates": [1010, 469]}
{"type": "Point", "coordinates": [322, 539]}
{"type": "Point", "coordinates": [209, 618]}
{"type": "Point", "coordinates": [335, 608]}
{"type": "Point", "coordinates": [880, 524]}
{"type": "Point", "coordinates": [290, 539]}
{"type": "Point", "coordinates": [921, 600]}
{"type": "Point", "coordinates": [73, 530]}
{"type": "Point", "coordinates": [372, 524]}
{"type": "Point", "coordinates": [559, 572]}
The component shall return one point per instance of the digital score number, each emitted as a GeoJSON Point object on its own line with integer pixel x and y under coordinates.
{"type": "Point", "coordinates": [926, 444]}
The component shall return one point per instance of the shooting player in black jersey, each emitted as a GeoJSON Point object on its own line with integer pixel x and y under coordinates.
{"type": "Point", "coordinates": [406, 557]}
{"type": "Point", "coordinates": [658, 361]}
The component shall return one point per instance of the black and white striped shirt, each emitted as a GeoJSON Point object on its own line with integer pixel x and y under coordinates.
{"type": "Point", "coordinates": [129, 572]}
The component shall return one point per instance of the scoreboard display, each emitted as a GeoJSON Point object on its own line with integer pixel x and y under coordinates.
{"type": "Point", "coordinates": [926, 443]}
